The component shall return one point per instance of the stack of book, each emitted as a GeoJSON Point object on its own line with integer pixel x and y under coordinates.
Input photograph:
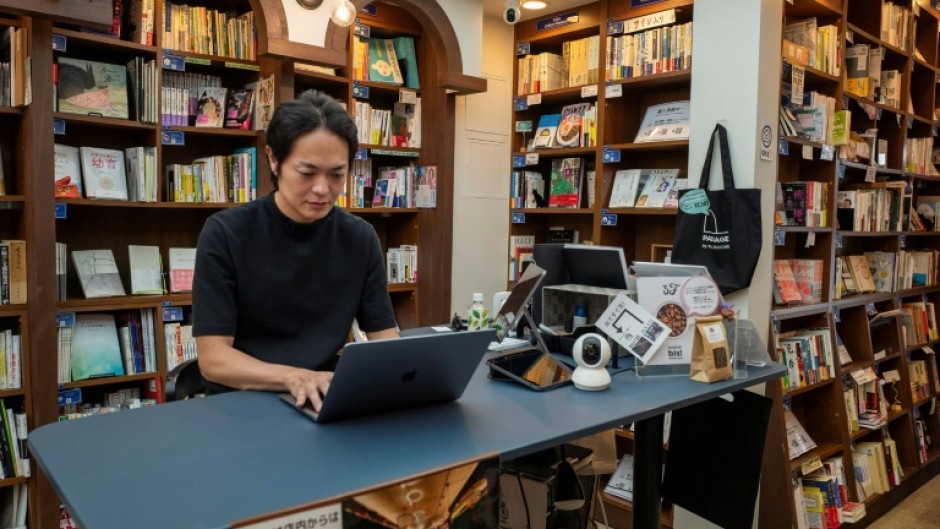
{"type": "Point", "coordinates": [807, 355]}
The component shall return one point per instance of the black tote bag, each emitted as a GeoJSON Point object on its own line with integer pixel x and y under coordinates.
{"type": "Point", "coordinates": [719, 229]}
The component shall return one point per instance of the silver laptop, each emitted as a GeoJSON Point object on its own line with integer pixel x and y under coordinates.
{"type": "Point", "coordinates": [398, 374]}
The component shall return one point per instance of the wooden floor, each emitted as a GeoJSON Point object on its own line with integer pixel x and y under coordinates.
{"type": "Point", "coordinates": [920, 510]}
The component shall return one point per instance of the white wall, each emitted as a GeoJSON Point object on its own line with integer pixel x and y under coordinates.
{"type": "Point", "coordinates": [309, 27]}
{"type": "Point", "coordinates": [481, 174]}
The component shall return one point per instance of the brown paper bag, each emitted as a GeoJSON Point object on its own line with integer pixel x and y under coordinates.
{"type": "Point", "coordinates": [711, 358]}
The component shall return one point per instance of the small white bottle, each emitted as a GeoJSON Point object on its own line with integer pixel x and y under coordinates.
{"type": "Point", "coordinates": [478, 316]}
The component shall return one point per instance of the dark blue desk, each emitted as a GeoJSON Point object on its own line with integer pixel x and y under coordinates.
{"type": "Point", "coordinates": [205, 463]}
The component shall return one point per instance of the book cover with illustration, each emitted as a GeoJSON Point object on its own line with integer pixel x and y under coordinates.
{"type": "Point", "coordinates": [92, 88]}
{"type": "Point", "coordinates": [103, 173]}
{"type": "Point", "coordinates": [210, 107]}
{"type": "Point", "coordinates": [383, 62]}
{"type": "Point", "coordinates": [565, 185]}
{"type": "Point", "coordinates": [68, 171]}
{"type": "Point", "coordinates": [97, 273]}
{"type": "Point", "coordinates": [241, 105]}
{"type": "Point", "coordinates": [96, 351]}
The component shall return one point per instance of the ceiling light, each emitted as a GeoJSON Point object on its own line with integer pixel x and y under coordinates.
{"type": "Point", "coordinates": [534, 4]}
{"type": "Point", "coordinates": [343, 14]}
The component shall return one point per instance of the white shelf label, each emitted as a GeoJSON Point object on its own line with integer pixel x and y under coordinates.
{"type": "Point", "coordinates": [613, 90]}
{"type": "Point", "coordinates": [408, 96]}
{"type": "Point", "coordinates": [533, 99]}
{"type": "Point", "coordinates": [532, 158]}
{"type": "Point", "coordinates": [589, 91]}
{"type": "Point", "coordinates": [328, 517]}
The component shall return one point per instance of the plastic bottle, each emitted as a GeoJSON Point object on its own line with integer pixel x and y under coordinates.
{"type": "Point", "coordinates": [478, 316]}
{"type": "Point", "coordinates": [580, 317]}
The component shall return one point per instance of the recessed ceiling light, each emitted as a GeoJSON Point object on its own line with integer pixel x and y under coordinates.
{"type": "Point", "coordinates": [534, 4]}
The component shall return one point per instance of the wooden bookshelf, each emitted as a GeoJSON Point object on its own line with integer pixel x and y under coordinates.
{"type": "Point", "coordinates": [821, 407]}
{"type": "Point", "coordinates": [26, 209]}
{"type": "Point", "coordinates": [617, 121]}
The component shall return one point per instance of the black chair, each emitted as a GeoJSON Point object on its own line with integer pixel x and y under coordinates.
{"type": "Point", "coordinates": [184, 381]}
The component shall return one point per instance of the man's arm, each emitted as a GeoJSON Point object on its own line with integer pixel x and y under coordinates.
{"type": "Point", "coordinates": [384, 334]}
{"type": "Point", "coordinates": [222, 363]}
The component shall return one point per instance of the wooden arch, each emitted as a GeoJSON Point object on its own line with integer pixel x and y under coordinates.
{"type": "Point", "coordinates": [273, 40]}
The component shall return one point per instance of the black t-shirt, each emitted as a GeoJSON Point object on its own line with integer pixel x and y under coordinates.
{"type": "Point", "coordinates": [288, 292]}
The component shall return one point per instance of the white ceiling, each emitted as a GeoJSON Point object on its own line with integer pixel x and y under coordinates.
{"type": "Point", "coordinates": [495, 7]}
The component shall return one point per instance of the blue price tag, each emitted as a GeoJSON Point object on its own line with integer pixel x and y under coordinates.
{"type": "Point", "coordinates": [845, 102]}
{"type": "Point", "coordinates": [903, 241]}
{"type": "Point", "coordinates": [611, 155]}
{"type": "Point", "coordinates": [786, 69]}
{"type": "Point", "coordinates": [58, 127]}
{"type": "Point", "coordinates": [838, 240]}
{"type": "Point", "coordinates": [518, 217]}
{"type": "Point", "coordinates": [518, 160]}
{"type": "Point", "coordinates": [362, 30]}
{"type": "Point", "coordinates": [61, 211]}
{"type": "Point", "coordinates": [520, 103]}
{"type": "Point", "coordinates": [783, 147]}
{"type": "Point", "coordinates": [841, 170]}
{"type": "Point", "coordinates": [780, 237]}
{"type": "Point", "coordinates": [787, 402]}
{"type": "Point", "coordinates": [614, 27]}
{"type": "Point", "coordinates": [65, 319]}
{"type": "Point", "coordinates": [362, 154]}
{"type": "Point", "coordinates": [370, 9]}
{"type": "Point", "coordinates": [173, 137]}
{"type": "Point", "coordinates": [59, 42]}
{"type": "Point", "coordinates": [608, 219]}
{"type": "Point", "coordinates": [878, 114]}
{"type": "Point", "coordinates": [173, 62]}
{"type": "Point", "coordinates": [70, 396]}
{"type": "Point", "coordinates": [172, 314]}
{"type": "Point", "coordinates": [910, 122]}
{"type": "Point", "coordinates": [836, 314]}
{"type": "Point", "coordinates": [870, 309]}
{"type": "Point", "coordinates": [360, 92]}
{"type": "Point", "coordinates": [523, 48]}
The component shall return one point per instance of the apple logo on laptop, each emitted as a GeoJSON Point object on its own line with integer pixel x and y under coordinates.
{"type": "Point", "coordinates": [409, 376]}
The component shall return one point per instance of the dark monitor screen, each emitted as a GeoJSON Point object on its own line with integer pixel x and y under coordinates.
{"type": "Point", "coordinates": [596, 266]}
{"type": "Point", "coordinates": [521, 293]}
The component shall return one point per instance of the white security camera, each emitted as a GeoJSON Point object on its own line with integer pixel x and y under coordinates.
{"type": "Point", "coordinates": [591, 352]}
{"type": "Point", "coordinates": [511, 12]}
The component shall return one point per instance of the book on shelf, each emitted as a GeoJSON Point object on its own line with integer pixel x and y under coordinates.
{"type": "Point", "coordinates": [785, 290]}
{"type": "Point", "coordinates": [239, 109]}
{"type": "Point", "coordinates": [383, 62]}
{"type": "Point", "coordinates": [264, 101]}
{"type": "Point", "coordinates": [92, 88]}
{"type": "Point", "coordinates": [857, 70]}
{"type": "Point", "coordinates": [97, 273]}
{"type": "Point", "coordinates": [827, 488]}
{"type": "Point", "coordinates": [407, 60]}
{"type": "Point", "coordinates": [626, 186]}
{"type": "Point", "coordinates": [874, 453]}
{"type": "Point", "coordinates": [61, 266]}
{"type": "Point", "coordinates": [798, 440]}
{"type": "Point", "coordinates": [561, 234]}
{"type": "Point", "coordinates": [103, 173]}
{"type": "Point", "coordinates": [182, 266]}
{"type": "Point", "coordinates": [68, 171]}
{"type": "Point", "coordinates": [426, 186]}
{"type": "Point", "coordinates": [13, 271]}
{"type": "Point", "coordinates": [567, 178]}
{"type": "Point", "coordinates": [520, 246]}
{"type": "Point", "coordinates": [146, 269]}
{"type": "Point", "coordinates": [95, 350]}
{"type": "Point", "coordinates": [545, 133]}
{"type": "Point", "coordinates": [665, 122]}
{"type": "Point", "coordinates": [210, 107]}
{"type": "Point", "coordinates": [657, 187]}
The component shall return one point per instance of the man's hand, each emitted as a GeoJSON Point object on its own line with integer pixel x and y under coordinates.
{"type": "Point", "coordinates": [306, 385]}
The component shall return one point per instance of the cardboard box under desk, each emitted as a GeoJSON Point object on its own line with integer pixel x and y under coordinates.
{"type": "Point", "coordinates": [559, 302]}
